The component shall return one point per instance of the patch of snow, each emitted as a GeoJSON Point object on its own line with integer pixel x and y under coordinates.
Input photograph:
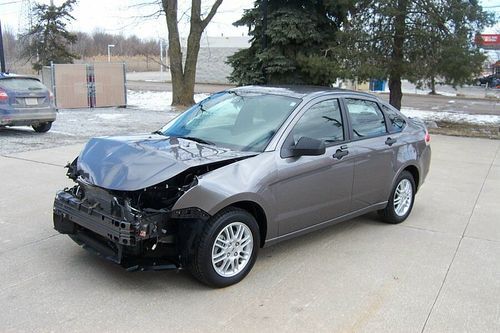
{"type": "Point", "coordinates": [154, 100]}
{"type": "Point", "coordinates": [482, 119]}
{"type": "Point", "coordinates": [161, 100]}
{"type": "Point", "coordinates": [411, 89]}
{"type": "Point", "coordinates": [426, 92]}
{"type": "Point", "coordinates": [109, 116]}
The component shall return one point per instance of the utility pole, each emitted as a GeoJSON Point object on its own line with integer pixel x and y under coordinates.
{"type": "Point", "coordinates": [2, 55]}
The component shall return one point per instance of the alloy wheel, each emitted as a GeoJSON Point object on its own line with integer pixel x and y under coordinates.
{"type": "Point", "coordinates": [232, 249]}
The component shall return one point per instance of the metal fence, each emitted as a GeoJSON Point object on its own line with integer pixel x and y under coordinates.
{"type": "Point", "coordinates": [86, 85]}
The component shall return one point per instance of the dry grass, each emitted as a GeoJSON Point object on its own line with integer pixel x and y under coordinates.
{"type": "Point", "coordinates": [467, 129]}
{"type": "Point", "coordinates": [133, 64]}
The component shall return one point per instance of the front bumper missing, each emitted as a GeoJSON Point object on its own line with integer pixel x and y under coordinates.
{"type": "Point", "coordinates": [128, 243]}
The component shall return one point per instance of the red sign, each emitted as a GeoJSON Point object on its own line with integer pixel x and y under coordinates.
{"type": "Point", "coordinates": [488, 40]}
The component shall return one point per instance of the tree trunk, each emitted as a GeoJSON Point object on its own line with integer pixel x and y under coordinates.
{"type": "Point", "coordinates": [397, 58]}
{"type": "Point", "coordinates": [183, 77]}
{"type": "Point", "coordinates": [395, 93]}
{"type": "Point", "coordinates": [433, 86]}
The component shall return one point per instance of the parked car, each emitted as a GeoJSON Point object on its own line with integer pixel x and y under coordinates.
{"type": "Point", "coordinates": [245, 168]}
{"type": "Point", "coordinates": [25, 101]}
{"type": "Point", "coordinates": [491, 80]}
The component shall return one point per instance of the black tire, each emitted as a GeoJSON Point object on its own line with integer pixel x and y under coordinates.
{"type": "Point", "coordinates": [389, 214]}
{"type": "Point", "coordinates": [201, 266]}
{"type": "Point", "coordinates": [42, 127]}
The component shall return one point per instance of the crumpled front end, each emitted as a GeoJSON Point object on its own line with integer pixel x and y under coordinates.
{"type": "Point", "coordinates": [136, 229]}
{"type": "Point", "coordinates": [121, 207]}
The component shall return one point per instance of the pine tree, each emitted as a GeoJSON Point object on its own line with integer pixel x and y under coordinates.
{"type": "Point", "coordinates": [290, 42]}
{"type": "Point", "coordinates": [48, 39]}
{"type": "Point", "coordinates": [420, 40]}
{"type": "Point", "coordinates": [318, 41]}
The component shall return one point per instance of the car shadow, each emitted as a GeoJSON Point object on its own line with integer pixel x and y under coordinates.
{"type": "Point", "coordinates": [155, 281]}
{"type": "Point", "coordinates": [147, 281]}
{"type": "Point", "coordinates": [18, 131]}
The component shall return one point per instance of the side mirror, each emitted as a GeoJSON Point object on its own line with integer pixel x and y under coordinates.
{"type": "Point", "coordinates": [308, 147]}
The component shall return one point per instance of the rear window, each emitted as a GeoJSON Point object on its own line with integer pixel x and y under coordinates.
{"type": "Point", "coordinates": [396, 122]}
{"type": "Point", "coordinates": [21, 84]}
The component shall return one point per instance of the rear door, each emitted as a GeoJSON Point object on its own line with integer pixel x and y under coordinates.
{"type": "Point", "coordinates": [372, 146]}
{"type": "Point", "coordinates": [315, 189]}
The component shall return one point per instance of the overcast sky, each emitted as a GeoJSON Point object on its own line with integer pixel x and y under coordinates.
{"type": "Point", "coordinates": [124, 17]}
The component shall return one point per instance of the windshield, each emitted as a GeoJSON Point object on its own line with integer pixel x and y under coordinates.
{"type": "Point", "coordinates": [236, 120]}
{"type": "Point", "coordinates": [21, 84]}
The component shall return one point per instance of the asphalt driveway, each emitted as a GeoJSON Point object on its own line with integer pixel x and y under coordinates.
{"type": "Point", "coordinates": [437, 272]}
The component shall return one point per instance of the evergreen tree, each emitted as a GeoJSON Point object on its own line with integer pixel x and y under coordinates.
{"type": "Point", "coordinates": [48, 39]}
{"type": "Point", "coordinates": [419, 40]}
{"type": "Point", "coordinates": [318, 41]}
{"type": "Point", "coordinates": [290, 42]}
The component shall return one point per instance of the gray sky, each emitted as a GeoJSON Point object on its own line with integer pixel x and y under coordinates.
{"type": "Point", "coordinates": [122, 17]}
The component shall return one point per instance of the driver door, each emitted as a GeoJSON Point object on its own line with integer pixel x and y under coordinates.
{"type": "Point", "coordinates": [315, 189]}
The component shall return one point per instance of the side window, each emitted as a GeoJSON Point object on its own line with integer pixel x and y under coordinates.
{"type": "Point", "coordinates": [323, 121]}
{"type": "Point", "coordinates": [366, 118]}
{"type": "Point", "coordinates": [396, 122]}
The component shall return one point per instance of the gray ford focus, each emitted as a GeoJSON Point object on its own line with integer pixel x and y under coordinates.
{"type": "Point", "coordinates": [243, 169]}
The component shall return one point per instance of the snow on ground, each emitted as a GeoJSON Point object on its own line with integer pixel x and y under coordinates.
{"type": "Point", "coordinates": [161, 100]}
{"type": "Point", "coordinates": [109, 116]}
{"type": "Point", "coordinates": [154, 100]}
{"type": "Point", "coordinates": [452, 117]}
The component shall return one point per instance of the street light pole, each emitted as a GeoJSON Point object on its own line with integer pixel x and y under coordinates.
{"type": "Point", "coordinates": [109, 51]}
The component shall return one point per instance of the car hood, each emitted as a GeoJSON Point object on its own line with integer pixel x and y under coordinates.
{"type": "Point", "coordinates": [130, 163]}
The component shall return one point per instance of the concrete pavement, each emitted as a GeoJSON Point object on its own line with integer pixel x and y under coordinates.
{"type": "Point", "coordinates": [437, 272]}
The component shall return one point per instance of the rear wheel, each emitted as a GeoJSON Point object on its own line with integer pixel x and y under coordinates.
{"type": "Point", "coordinates": [401, 201]}
{"type": "Point", "coordinates": [42, 127]}
{"type": "Point", "coordinates": [227, 248]}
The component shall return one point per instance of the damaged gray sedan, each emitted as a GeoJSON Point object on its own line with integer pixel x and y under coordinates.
{"type": "Point", "coordinates": [244, 168]}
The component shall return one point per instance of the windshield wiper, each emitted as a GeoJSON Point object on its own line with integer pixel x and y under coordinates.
{"type": "Point", "coordinates": [158, 132]}
{"type": "Point", "coordinates": [192, 138]}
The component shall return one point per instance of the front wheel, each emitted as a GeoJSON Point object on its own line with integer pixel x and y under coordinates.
{"type": "Point", "coordinates": [401, 201]}
{"type": "Point", "coordinates": [42, 127]}
{"type": "Point", "coordinates": [227, 248]}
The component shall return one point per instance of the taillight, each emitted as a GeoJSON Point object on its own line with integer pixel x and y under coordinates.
{"type": "Point", "coordinates": [51, 96]}
{"type": "Point", "coordinates": [427, 137]}
{"type": "Point", "coordinates": [3, 96]}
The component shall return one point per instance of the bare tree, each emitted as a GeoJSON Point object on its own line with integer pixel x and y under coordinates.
{"type": "Point", "coordinates": [184, 75]}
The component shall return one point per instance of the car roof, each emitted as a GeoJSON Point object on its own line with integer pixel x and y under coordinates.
{"type": "Point", "coordinates": [11, 76]}
{"type": "Point", "coordinates": [298, 91]}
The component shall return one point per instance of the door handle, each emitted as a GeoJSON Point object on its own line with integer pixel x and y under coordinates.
{"type": "Point", "coordinates": [340, 153]}
{"type": "Point", "coordinates": [390, 141]}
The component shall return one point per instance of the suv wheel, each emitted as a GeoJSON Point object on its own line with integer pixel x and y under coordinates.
{"type": "Point", "coordinates": [42, 127]}
{"type": "Point", "coordinates": [401, 201]}
{"type": "Point", "coordinates": [227, 248]}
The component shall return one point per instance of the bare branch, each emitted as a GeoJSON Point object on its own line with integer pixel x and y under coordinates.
{"type": "Point", "coordinates": [211, 14]}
